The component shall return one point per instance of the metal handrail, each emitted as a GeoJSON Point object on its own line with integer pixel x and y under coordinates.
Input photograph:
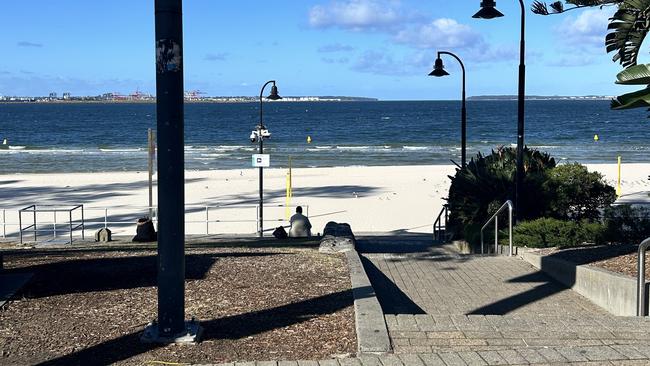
{"type": "Point", "coordinates": [71, 224]}
{"type": "Point", "coordinates": [437, 232]}
{"type": "Point", "coordinates": [52, 225]}
{"type": "Point", "coordinates": [495, 217]}
{"type": "Point", "coordinates": [640, 279]}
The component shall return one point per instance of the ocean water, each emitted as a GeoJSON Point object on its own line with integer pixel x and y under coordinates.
{"type": "Point", "coordinates": [113, 137]}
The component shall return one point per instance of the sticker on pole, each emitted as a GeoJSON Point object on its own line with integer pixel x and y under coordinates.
{"type": "Point", "coordinates": [261, 160]}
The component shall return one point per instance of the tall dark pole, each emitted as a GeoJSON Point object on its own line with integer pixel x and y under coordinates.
{"type": "Point", "coordinates": [519, 185]}
{"type": "Point", "coordinates": [260, 127]}
{"type": "Point", "coordinates": [463, 113]}
{"type": "Point", "coordinates": [488, 11]}
{"type": "Point", "coordinates": [169, 112]}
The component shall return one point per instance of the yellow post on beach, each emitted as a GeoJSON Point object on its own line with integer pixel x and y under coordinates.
{"type": "Point", "coordinates": [618, 186]}
{"type": "Point", "coordinates": [289, 191]}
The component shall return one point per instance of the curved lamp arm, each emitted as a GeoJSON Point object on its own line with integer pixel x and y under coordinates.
{"type": "Point", "coordinates": [261, 98]}
{"type": "Point", "coordinates": [463, 109]}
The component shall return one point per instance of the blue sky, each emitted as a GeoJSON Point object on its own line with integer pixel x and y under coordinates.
{"type": "Point", "coordinates": [373, 48]}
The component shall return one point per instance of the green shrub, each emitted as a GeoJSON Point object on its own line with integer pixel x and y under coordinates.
{"type": "Point", "coordinates": [627, 224]}
{"type": "Point", "coordinates": [575, 193]}
{"type": "Point", "coordinates": [565, 192]}
{"type": "Point", "coordinates": [488, 181]}
{"type": "Point", "coordinates": [550, 232]}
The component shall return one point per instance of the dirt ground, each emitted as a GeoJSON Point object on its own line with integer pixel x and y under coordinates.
{"type": "Point", "coordinates": [616, 258]}
{"type": "Point", "coordinates": [89, 307]}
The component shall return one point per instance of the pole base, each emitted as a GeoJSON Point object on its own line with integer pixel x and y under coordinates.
{"type": "Point", "coordinates": [191, 335]}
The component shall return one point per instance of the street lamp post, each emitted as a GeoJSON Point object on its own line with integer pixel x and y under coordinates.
{"type": "Point", "coordinates": [439, 70]}
{"type": "Point", "coordinates": [488, 11]}
{"type": "Point", "coordinates": [170, 327]}
{"type": "Point", "coordinates": [260, 133]}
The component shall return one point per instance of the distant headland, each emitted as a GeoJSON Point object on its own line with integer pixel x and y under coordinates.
{"type": "Point", "coordinates": [541, 97]}
{"type": "Point", "coordinates": [193, 96]}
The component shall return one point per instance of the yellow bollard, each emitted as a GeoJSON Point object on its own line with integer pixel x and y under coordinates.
{"type": "Point", "coordinates": [619, 191]}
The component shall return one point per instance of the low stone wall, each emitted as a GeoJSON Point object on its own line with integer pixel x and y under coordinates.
{"type": "Point", "coordinates": [372, 333]}
{"type": "Point", "coordinates": [613, 292]}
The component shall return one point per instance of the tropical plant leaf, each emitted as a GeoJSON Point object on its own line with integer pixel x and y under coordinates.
{"type": "Point", "coordinates": [628, 29]}
{"type": "Point", "coordinates": [637, 99]}
{"type": "Point", "coordinates": [634, 75]}
{"type": "Point", "coordinates": [539, 7]}
{"type": "Point", "coordinates": [557, 7]}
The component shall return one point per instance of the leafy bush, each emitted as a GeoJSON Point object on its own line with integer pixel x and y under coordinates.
{"type": "Point", "coordinates": [627, 224]}
{"type": "Point", "coordinates": [565, 192]}
{"type": "Point", "coordinates": [550, 232]}
{"type": "Point", "coordinates": [576, 193]}
{"type": "Point", "coordinates": [488, 181]}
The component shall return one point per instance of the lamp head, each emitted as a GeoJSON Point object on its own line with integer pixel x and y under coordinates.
{"type": "Point", "coordinates": [488, 10]}
{"type": "Point", "coordinates": [438, 69]}
{"type": "Point", "coordinates": [274, 93]}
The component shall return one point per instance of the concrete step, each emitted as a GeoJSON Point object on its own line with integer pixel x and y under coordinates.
{"type": "Point", "coordinates": [434, 333]}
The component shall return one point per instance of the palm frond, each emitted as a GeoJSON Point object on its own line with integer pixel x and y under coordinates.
{"type": "Point", "coordinates": [634, 75]}
{"type": "Point", "coordinates": [628, 29]}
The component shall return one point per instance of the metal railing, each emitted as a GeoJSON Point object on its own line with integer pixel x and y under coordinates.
{"type": "Point", "coordinates": [640, 280]}
{"type": "Point", "coordinates": [101, 217]}
{"type": "Point", "coordinates": [495, 217]}
{"type": "Point", "coordinates": [438, 231]}
{"type": "Point", "coordinates": [71, 225]}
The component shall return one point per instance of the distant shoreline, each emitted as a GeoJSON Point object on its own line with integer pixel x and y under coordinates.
{"type": "Point", "coordinates": [539, 97]}
{"type": "Point", "coordinates": [208, 100]}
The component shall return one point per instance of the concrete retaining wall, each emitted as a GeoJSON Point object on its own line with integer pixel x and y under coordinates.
{"type": "Point", "coordinates": [613, 292]}
{"type": "Point", "coordinates": [372, 333]}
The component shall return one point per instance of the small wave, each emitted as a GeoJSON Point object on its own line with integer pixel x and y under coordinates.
{"type": "Point", "coordinates": [214, 155]}
{"type": "Point", "coordinates": [192, 148]}
{"type": "Point", "coordinates": [385, 118]}
{"type": "Point", "coordinates": [323, 147]}
{"type": "Point", "coordinates": [353, 147]}
{"type": "Point", "coordinates": [121, 150]}
{"type": "Point", "coordinates": [17, 147]}
{"type": "Point", "coordinates": [39, 151]}
{"type": "Point", "coordinates": [417, 148]}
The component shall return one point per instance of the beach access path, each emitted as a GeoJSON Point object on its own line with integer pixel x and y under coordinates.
{"type": "Point", "coordinates": [446, 308]}
{"type": "Point", "coordinates": [395, 199]}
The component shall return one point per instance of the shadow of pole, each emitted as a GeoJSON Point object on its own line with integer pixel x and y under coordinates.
{"type": "Point", "coordinates": [231, 327]}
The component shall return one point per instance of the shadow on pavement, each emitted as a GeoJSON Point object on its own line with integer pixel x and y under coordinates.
{"type": "Point", "coordinates": [391, 298]}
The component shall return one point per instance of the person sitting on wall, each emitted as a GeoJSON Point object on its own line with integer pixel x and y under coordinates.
{"type": "Point", "coordinates": [300, 225]}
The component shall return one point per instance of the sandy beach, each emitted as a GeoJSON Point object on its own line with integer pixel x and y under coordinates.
{"type": "Point", "coordinates": [372, 199]}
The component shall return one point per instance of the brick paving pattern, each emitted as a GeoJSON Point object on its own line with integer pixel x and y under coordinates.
{"type": "Point", "coordinates": [446, 309]}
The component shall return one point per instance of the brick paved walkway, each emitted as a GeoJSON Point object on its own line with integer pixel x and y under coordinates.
{"type": "Point", "coordinates": [446, 309]}
{"type": "Point", "coordinates": [453, 309]}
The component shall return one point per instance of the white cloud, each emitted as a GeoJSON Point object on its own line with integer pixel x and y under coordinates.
{"type": "Point", "coordinates": [216, 56]}
{"type": "Point", "coordinates": [340, 60]}
{"type": "Point", "coordinates": [335, 47]}
{"type": "Point", "coordinates": [587, 29]}
{"type": "Point", "coordinates": [358, 15]}
{"type": "Point", "coordinates": [443, 32]}
{"type": "Point", "coordinates": [571, 61]}
{"type": "Point", "coordinates": [29, 44]}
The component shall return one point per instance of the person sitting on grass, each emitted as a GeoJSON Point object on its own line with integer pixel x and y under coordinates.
{"type": "Point", "coordinates": [300, 225]}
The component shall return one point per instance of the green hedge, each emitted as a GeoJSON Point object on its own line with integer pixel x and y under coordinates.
{"type": "Point", "coordinates": [550, 232]}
